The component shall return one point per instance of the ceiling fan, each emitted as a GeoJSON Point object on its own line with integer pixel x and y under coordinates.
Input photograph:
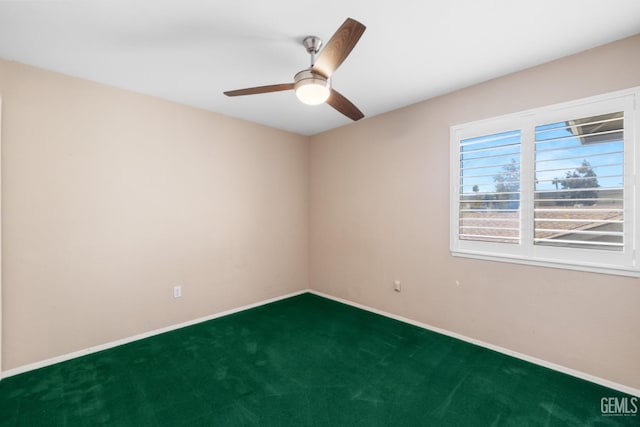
{"type": "Point", "coordinates": [313, 85]}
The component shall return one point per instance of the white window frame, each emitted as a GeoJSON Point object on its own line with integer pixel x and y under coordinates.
{"type": "Point", "coordinates": [623, 262]}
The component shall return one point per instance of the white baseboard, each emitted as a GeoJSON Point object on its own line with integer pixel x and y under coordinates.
{"type": "Point", "coordinates": [554, 366]}
{"type": "Point", "coordinates": [582, 375]}
{"type": "Point", "coordinates": [69, 356]}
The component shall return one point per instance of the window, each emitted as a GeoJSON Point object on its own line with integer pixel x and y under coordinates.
{"type": "Point", "coordinates": [489, 201]}
{"type": "Point", "coordinates": [552, 186]}
{"type": "Point", "coordinates": [582, 207]}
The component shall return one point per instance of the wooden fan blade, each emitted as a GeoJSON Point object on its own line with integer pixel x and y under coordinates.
{"type": "Point", "coordinates": [260, 89]}
{"type": "Point", "coordinates": [339, 47]}
{"type": "Point", "coordinates": [344, 106]}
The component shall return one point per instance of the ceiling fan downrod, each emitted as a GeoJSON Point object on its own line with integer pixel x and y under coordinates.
{"type": "Point", "coordinates": [312, 44]}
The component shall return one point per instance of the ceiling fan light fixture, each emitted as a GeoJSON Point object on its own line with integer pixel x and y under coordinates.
{"type": "Point", "coordinates": [312, 88]}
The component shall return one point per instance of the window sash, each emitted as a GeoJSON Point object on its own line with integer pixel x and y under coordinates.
{"type": "Point", "coordinates": [591, 137]}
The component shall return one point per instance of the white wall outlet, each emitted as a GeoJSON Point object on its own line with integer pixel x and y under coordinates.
{"type": "Point", "coordinates": [177, 291]}
{"type": "Point", "coordinates": [397, 286]}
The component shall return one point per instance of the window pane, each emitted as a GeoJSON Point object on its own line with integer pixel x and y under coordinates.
{"type": "Point", "coordinates": [489, 204]}
{"type": "Point", "coordinates": [579, 188]}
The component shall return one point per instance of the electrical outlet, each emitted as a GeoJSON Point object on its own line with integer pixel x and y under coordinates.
{"type": "Point", "coordinates": [177, 291]}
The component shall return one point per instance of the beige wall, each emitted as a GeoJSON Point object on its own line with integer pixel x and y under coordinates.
{"type": "Point", "coordinates": [379, 211]}
{"type": "Point", "coordinates": [111, 198]}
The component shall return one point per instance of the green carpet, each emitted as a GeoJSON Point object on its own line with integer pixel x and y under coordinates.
{"type": "Point", "coordinates": [303, 361]}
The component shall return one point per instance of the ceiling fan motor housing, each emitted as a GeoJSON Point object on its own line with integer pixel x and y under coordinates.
{"type": "Point", "coordinates": [309, 77]}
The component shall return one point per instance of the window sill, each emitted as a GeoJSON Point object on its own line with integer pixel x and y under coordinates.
{"type": "Point", "coordinates": [591, 268]}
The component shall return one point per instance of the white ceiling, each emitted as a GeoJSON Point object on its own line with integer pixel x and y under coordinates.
{"type": "Point", "coordinates": [191, 51]}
